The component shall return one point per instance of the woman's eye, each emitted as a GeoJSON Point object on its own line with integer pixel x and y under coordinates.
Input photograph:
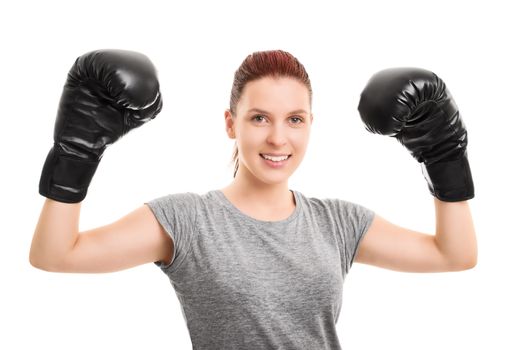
{"type": "Point", "coordinates": [257, 117]}
{"type": "Point", "coordinates": [295, 120]}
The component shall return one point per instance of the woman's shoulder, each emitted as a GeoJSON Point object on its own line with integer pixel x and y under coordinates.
{"type": "Point", "coordinates": [188, 199]}
{"type": "Point", "coordinates": [322, 200]}
{"type": "Point", "coordinates": [331, 203]}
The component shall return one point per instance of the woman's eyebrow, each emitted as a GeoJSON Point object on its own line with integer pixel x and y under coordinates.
{"type": "Point", "coordinates": [258, 110]}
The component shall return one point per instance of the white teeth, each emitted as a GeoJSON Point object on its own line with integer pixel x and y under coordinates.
{"type": "Point", "coordinates": [275, 159]}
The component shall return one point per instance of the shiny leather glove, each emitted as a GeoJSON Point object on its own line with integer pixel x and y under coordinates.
{"type": "Point", "coordinates": [107, 93]}
{"type": "Point", "coordinates": [414, 106]}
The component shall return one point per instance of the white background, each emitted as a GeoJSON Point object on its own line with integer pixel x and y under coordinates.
{"type": "Point", "coordinates": [196, 47]}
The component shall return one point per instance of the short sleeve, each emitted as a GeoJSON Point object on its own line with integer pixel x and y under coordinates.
{"type": "Point", "coordinates": [176, 213]}
{"type": "Point", "coordinates": [355, 220]}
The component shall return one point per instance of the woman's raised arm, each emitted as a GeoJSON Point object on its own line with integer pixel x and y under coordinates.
{"type": "Point", "coordinates": [136, 238]}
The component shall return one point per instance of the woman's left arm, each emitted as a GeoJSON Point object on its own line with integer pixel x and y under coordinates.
{"type": "Point", "coordinates": [455, 234]}
{"type": "Point", "coordinates": [414, 106]}
{"type": "Point", "coordinates": [452, 248]}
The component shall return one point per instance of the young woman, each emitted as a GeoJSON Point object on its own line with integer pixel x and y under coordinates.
{"type": "Point", "coordinates": [255, 265]}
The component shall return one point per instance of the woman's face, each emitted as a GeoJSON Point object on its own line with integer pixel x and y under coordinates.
{"type": "Point", "coordinates": [273, 118]}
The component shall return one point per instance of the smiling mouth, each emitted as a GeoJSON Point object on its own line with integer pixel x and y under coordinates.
{"type": "Point", "coordinates": [276, 161]}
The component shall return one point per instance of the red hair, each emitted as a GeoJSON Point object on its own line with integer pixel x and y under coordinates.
{"type": "Point", "coordinates": [260, 64]}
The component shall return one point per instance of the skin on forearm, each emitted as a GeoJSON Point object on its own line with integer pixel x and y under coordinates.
{"type": "Point", "coordinates": [455, 234]}
{"type": "Point", "coordinates": [55, 234]}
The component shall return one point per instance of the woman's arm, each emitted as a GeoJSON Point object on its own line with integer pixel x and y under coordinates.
{"type": "Point", "coordinates": [452, 248]}
{"type": "Point", "coordinates": [455, 234]}
{"type": "Point", "coordinates": [414, 106]}
{"type": "Point", "coordinates": [135, 239]}
{"type": "Point", "coordinates": [55, 234]}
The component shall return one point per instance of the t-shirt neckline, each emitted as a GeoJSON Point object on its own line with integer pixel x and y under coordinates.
{"type": "Point", "coordinates": [224, 200]}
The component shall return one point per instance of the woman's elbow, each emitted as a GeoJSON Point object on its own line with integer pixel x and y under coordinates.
{"type": "Point", "coordinates": [471, 264]}
{"type": "Point", "coordinates": [44, 264]}
{"type": "Point", "coordinates": [467, 265]}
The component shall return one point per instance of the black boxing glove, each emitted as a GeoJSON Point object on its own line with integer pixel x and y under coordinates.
{"type": "Point", "coordinates": [107, 93]}
{"type": "Point", "coordinates": [414, 106]}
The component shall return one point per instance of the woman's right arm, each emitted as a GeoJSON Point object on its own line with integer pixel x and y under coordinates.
{"type": "Point", "coordinates": [107, 94]}
{"type": "Point", "coordinates": [135, 239]}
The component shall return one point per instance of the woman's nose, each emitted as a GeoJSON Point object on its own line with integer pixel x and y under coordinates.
{"type": "Point", "coordinates": [276, 135]}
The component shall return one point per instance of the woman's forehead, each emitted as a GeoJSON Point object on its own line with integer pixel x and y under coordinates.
{"type": "Point", "coordinates": [271, 93]}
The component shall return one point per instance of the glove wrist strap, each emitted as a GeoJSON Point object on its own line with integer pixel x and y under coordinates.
{"type": "Point", "coordinates": [66, 179]}
{"type": "Point", "coordinates": [450, 181]}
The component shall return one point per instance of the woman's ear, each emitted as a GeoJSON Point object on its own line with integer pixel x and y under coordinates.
{"type": "Point", "coordinates": [229, 121]}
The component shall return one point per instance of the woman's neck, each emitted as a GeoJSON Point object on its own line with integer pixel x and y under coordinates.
{"type": "Point", "coordinates": [261, 204]}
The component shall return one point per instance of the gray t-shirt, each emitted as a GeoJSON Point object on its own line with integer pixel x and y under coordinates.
{"type": "Point", "coordinates": [244, 283]}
